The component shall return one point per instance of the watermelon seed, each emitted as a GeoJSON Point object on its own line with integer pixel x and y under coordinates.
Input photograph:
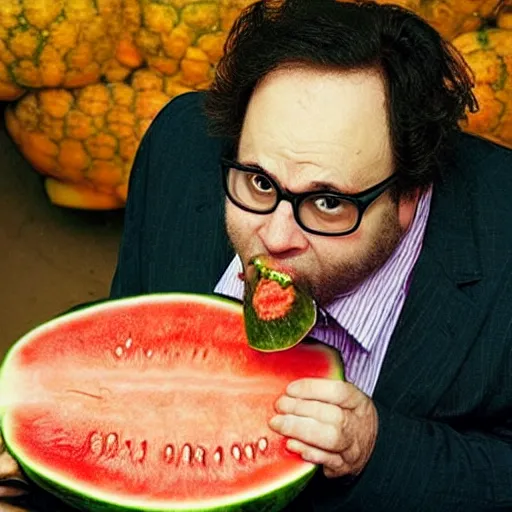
{"type": "Point", "coordinates": [194, 354]}
{"type": "Point", "coordinates": [111, 445]}
{"type": "Point", "coordinates": [128, 342]}
{"type": "Point", "coordinates": [236, 452]}
{"type": "Point", "coordinates": [169, 453]}
{"type": "Point", "coordinates": [139, 454]}
{"type": "Point", "coordinates": [249, 451]}
{"type": "Point", "coordinates": [199, 455]}
{"type": "Point", "coordinates": [149, 353]}
{"type": "Point", "coordinates": [205, 353]}
{"type": "Point", "coordinates": [119, 351]}
{"type": "Point", "coordinates": [96, 443]}
{"type": "Point", "coordinates": [262, 444]}
{"type": "Point", "coordinates": [217, 456]}
{"type": "Point", "coordinates": [186, 454]}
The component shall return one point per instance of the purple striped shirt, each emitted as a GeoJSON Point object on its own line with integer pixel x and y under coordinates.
{"type": "Point", "coordinates": [360, 324]}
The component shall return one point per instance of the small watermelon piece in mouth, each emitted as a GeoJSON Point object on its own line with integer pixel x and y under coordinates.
{"type": "Point", "coordinates": [155, 403]}
{"type": "Point", "coordinates": [271, 301]}
{"type": "Point", "coordinates": [278, 311]}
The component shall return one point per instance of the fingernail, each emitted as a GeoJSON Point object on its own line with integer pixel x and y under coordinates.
{"type": "Point", "coordinates": [293, 388]}
{"type": "Point", "coordinates": [276, 422]}
{"type": "Point", "coordinates": [279, 402]}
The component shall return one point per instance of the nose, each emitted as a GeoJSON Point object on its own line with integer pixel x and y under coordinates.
{"type": "Point", "coordinates": [280, 233]}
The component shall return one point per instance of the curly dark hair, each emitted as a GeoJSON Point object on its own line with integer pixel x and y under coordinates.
{"type": "Point", "coordinates": [428, 83]}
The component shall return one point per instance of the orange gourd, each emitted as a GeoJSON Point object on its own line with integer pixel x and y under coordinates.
{"type": "Point", "coordinates": [58, 43]}
{"type": "Point", "coordinates": [489, 55]}
{"type": "Point", "coordinates": [86, 138]}
{"type": "Point", "coordinates": [452, 17]}
{"type": "Point", "coordinates": [90, 76]}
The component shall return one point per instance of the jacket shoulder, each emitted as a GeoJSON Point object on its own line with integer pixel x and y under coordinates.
{"type": "Point", "coordinates": [480, 158]}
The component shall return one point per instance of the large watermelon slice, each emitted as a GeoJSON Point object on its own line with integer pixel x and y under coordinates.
{"type": "Point", "coordinates": [279, 311]}
{"type": "Point", "coordinates": [155, 403]}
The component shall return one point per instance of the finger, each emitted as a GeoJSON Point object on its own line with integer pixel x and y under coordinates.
{"type": "Point", "coordinates": [9, 491]}
{"type": "Point", "coordinates": [6, 507]}
{"type": "Point", "coordinates": [9, 468]}
{"type": "Point", "coordinates": [332, 462]}
{"type": "Point", "coordinates": [309, 431]}
{"type": "Point", "coordinates": [320, 411]}
{"type": "Point", "coordinates": [336, 473]}
{"type": "Point", "coordinates": [335, 392]}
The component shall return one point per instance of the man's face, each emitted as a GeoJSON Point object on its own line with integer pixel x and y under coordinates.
{"type": "Point", "coordinates": [304, 126]}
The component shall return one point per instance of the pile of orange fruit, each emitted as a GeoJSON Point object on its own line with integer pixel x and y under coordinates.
{"type": "Point", "coordinates": [85, 78]}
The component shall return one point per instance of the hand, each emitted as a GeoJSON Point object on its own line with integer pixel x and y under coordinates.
{"type": "Point", "coordinates": [5, 507]}
{"type": "Point", "coordinates": [12, 482]}
{"type": "Point", "coordinates": [329, 422]}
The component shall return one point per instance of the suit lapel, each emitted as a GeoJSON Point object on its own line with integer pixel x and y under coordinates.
{"type": "Point", "coordinates": [439, 318]}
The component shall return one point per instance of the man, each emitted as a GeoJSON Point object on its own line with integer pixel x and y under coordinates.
{"type": "Point", "coordinates": [335, 126]}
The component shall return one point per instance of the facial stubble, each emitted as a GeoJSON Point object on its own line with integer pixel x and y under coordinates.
{"type": "Point", "coordinates": [329, 279]}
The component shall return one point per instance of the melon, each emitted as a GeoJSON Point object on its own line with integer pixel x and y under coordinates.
{"type": "Point", "coordinates": [54, 53]}
{"type": "Point", "coordinates": [85, 140]}
{"type": "Point", "coordinates": [488, 52]}
{"type": "Point", "coordinates": [279, 311]}
{"type": "Point", "coordinates": [155, 403]}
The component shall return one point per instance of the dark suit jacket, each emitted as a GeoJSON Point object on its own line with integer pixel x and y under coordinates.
{"type": "Point", "coordinates": [444, 396]}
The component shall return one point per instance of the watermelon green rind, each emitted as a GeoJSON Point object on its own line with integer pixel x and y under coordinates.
{"type": "Point", "coordinates": [337, 365]}
{"type": "Point", "coordinates": [78, 496]}
{"type": "Point", "coordinates": [272, 498]}
{"type": "Point", "coordinates": [282, 333]}
{"type": "Point", "coordinates": [274, 501]}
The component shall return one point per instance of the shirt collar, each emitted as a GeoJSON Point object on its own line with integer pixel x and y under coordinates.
{"type": "Point", "coordinates": [364, 312]}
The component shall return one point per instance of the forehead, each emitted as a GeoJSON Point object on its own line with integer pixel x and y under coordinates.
{"type": "Point", "coordinates": [306, 124]}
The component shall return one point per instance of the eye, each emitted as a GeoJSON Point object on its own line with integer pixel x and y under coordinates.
{"type": "Point", "coordinates": [329, 205]}
{"type": "Point", "coordinates": [260, 183]}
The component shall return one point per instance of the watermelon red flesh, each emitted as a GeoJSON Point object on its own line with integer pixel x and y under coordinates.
{"type": "Point", "coordinates": [154, 403]}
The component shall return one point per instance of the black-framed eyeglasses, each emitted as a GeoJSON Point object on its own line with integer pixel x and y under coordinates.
{"type": "Point", "coordinates": [320, 212]}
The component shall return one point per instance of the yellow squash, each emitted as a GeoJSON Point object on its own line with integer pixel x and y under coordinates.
{"type": "Point", "coordinates": [72, 43]}
{"type": "Point", "coordinates": [452, 17]}
{"type": "Point", "coordinates": [58, 43]}
{"type": "Point", "coordinates": [84, 140]}
{"type": "Point", "coordinates": [489, 54]}
{"type": "Point", "coordinates": [184, 39]}
{"type": "Point", "coordinates": [100, 70]}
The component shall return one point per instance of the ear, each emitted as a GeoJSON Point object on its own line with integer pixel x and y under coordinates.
{"type": "Point", "coordinates": [407, 208]}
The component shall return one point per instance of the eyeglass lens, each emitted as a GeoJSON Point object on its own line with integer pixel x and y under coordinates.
{"type": "Point", "coordinates": [319, 212]}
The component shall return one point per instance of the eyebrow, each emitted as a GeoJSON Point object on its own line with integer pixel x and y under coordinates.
{"type": "Point", "coordinates": [324, 186]}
